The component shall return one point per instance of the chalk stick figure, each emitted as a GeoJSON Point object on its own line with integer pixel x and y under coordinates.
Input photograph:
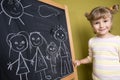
{"type": "Point", "coordinates": [36, 40]}
{"type": "Point", "coordinates": [52, 50]}
{"type": "Point", "coordinates": [18, 43]}
{"type": "Point", "coordinates": [61, 36]}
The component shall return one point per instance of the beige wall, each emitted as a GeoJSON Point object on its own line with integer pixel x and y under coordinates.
{"type": "Point", "coordinates": [81, 29]}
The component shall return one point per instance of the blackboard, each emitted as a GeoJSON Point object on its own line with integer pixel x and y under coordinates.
{"type": "Point", "coordinates": [35, 41]}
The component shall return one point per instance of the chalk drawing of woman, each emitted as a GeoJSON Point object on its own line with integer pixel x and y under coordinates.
{"type": "Point", "coordinates": [18, 43]}
{"type": "Point", "coordinates": [36, 40]}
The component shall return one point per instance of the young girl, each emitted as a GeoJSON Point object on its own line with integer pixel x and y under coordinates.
{"type": "Point", "coordinates": [104, 48]}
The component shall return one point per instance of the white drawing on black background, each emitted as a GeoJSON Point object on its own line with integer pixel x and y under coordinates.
{"type": "Point", "coordinates": [18, 43]}
{"type": "Point", "coordinates": [46, 11]}
{"type": "Point", "coordinates": [61, 36]}
{"type": "Point", "coordinates": [36, 40]}
{"type": "Point", "coordinates": [14, 10]}
{"type": "Point", "coordinates": [52, 50]}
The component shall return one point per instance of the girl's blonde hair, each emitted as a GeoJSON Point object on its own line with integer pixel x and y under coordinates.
{"type": "Point", "coordinates": [102, 12]}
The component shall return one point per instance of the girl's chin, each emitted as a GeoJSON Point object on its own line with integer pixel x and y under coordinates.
{"type": "Point", "coordinates": [103, 32]}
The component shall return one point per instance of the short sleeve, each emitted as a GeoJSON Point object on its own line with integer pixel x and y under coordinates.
{"type": "Point", "coordinates": [90, 52]}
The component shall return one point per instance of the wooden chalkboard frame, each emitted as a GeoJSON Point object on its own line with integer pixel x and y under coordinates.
{"type": "Point", "coordinates": [74, 75]}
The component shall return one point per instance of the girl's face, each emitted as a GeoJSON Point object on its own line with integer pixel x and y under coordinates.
{"type": "Point", "coordinates": [102, 26]}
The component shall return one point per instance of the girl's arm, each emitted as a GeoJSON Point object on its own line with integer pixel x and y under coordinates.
{"type": "Point", "coordinates": [83, 61]}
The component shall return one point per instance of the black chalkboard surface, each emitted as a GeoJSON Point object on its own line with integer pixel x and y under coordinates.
{"type": "Point", "coordinates": [35, 41]}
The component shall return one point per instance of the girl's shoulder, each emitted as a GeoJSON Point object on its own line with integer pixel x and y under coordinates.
{"type": "Point", "coordinates": [118, 37]}
{"type": "Point", "coordinates": [91, 40]}
{"type": "Point", "coordinates": [115, 38]}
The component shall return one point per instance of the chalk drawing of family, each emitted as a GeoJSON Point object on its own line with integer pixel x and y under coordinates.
{"type": "Point", "coordinates": [22, 41]}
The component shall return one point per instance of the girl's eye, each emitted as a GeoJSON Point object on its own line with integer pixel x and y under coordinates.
{"type": "Point", "coordinates": [96, 22]}
{"type": "Point", "coordinates": [105, 20]}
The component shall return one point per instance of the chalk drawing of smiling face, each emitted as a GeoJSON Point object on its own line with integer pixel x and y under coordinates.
{"type": "Point", "coordinates": [60, 35]}
{"type": "Point", "coordinates": [13, 9]}
{"type": "Point", "coordinates": [19, 43]}
{"type": "Point", "coordinates": [52, 48]}
{"type": "Point", "coordinates": [36, 39]}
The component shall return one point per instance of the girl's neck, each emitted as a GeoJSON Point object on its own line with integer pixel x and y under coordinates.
{"type": "Point", "coordinates": [105, 36]}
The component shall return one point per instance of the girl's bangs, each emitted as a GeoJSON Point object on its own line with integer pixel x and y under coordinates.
{"type": "Point", "coordinates": [99, 15]}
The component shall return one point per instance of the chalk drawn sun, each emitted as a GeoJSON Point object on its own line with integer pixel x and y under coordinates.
{"type": "Point", "coordinates": [14, 10]}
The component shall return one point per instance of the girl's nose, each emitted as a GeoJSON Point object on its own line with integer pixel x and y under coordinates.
{"type": "Point", "coordinates": [101, 24]}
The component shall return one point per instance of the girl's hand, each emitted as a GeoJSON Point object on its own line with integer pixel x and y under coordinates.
{"type": "Point", "coordinates": [76, 63]}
